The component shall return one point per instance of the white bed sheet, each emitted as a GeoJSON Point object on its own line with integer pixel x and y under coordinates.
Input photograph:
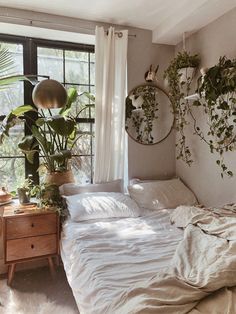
{"type": "Point", "coordinates": [103, 258]}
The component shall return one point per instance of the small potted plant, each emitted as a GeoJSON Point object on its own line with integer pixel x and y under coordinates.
{"type": "Point", "coordinates": [182, 67]}
{"type": "Point", "coordinates": [25, 191]}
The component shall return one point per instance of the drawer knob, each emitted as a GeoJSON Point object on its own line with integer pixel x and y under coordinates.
{"type": "Point", "coordinates": [32, 225]}
{"type": "Point", "coordinates": [32, 246]}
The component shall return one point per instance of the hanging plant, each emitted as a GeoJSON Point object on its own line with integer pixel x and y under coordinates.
{"type": "Point", "coordinates": [179, 87]}
{"type": "Point", "coordinates": [217, 90]}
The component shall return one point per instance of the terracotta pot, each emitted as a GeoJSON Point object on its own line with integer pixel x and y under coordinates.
{"type": "Point", "coordinates": [59, 178]}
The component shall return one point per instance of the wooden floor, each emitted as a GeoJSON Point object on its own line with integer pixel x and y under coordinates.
{"type": "Point", "coordinates": [39, 280]}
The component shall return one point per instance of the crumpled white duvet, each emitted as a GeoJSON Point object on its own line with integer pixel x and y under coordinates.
{"type": "Point", "coordinates": [203, 267]}
{"type": "Point", "coordinates": [105, 258]}
{"type": "Point", "coordinates": [145, 265]}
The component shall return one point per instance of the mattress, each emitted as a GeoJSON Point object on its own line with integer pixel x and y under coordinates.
{"type": "Point", "coordinates": [104, 258]}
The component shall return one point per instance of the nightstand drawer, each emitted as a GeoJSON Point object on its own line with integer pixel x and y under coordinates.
{"type": "Point", "coordinates": [31, 226]}
{"type": "Point", "coordinates": [31, 247]}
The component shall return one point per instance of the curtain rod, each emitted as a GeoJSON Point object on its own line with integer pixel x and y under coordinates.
{"type": "Point", "coordinates": [32, 22]}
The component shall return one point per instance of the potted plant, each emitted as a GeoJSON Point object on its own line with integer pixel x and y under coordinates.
{"type": "Point", "coordinates": [182, 67]}
{"type": "Point", "coordinates": [25, 191]}
{"type": "Point", "coordinates": [53, 137]}
{"type": "Point", "coordinates": [179, 80]}
{"type": "Point", "coordinates": [54, 134]}
{"type": "Point", "coordinates": [217, 88]}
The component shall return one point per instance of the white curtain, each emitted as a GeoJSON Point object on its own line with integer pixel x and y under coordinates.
{"type": "Point", "coordinates": [110, 73]}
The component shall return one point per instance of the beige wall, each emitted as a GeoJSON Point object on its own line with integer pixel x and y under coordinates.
{"type": "Point", "coordinates": [215, 40]}
{"type": "Point", "coordinates": [149, 161]}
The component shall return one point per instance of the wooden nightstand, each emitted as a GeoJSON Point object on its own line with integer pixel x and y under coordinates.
{"type": "Point", "coordinates": [30, 235]}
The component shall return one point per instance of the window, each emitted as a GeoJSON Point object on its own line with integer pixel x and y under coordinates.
{"type": "Point", "coordinates": [70, 64]}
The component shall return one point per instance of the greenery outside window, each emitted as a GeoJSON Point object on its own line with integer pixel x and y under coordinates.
{"type": "Point", "coordinates": [72, 65]}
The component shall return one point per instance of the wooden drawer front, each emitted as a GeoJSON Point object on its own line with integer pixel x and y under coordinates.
{"type": "Point", "coordinates": [31, 226]}
{"type": "Point", "coordinates": [31, 247]}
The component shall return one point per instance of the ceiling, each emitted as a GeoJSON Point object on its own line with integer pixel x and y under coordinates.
{"type": "Point", "coordinates": [168, 19]}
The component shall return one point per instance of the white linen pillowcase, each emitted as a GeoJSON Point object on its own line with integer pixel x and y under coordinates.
{"type": "Point", "coordinates": [73, 188]}
{"type": "Point", "coordinates": [162, 194]}
{"type": "Point", "coordinates": [98, 205]}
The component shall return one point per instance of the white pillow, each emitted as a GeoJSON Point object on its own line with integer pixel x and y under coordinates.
{"type": "Point", "coordinates": [111, 186]}
{"type": "Point", "coordinates": [98, 205]}
{"type": "Point", "coordinates": [161, 194]}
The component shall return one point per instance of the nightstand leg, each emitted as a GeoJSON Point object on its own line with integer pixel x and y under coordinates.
{"type": "Point", "coordinates": [57, 260]}
{"type": "Point", "coordinates": [11, 271]}
{"type": "Point", "coordinates": [52, 267]}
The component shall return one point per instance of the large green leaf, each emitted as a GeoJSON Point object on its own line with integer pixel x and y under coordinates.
{"type": "Point", "coordinates": [71, 97]}
{"type": "Point", "coordinates": [45, 145]}
{"type": "Point", "coordinates": [6, 60]}
{"type": "Point", "coordinates": [61, 125]}
{"type": "Point", "coordinates": [8, 80]}
{"type": "Point", "coordinates": [27, 145]}
{"type": "Point", "coordinates": [22, 109]}
{"type": "Point", "coordinates": [9, 122]}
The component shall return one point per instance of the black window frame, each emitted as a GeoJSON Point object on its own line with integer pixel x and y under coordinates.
{"type": "Point", "coordinates": [30, 66]}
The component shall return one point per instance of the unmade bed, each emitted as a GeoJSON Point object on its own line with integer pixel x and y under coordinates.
{"type": "Point", "coordinates": [127, 255]}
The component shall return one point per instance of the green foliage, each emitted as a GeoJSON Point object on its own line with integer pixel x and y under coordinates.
{"type": "Point", "coordinates": [144, 117]}
{"type": "Point", "coordinates": [217, 89]}
{"type": "Point", "coordinates": [48, 197]}
{"type": "Point", "coordinates": [53, 136]}
{"type": "Point", "coordinates": [177, 91]}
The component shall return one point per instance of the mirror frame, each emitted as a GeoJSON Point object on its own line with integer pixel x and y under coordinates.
{"type": "Point", "coordinates": [171, 107]}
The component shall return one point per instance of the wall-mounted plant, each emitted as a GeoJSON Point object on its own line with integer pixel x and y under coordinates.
{"type": "Point", "coordinates": [179, 77]}
{"type": "Point", "coordinates": [217, 91]}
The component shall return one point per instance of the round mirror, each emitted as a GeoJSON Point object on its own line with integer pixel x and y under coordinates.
{"type": "Point", "coordinates": [149, 114]}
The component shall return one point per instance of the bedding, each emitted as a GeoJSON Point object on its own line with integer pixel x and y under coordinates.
{"type": "Point", "coordinates": [103, 258]}
{"type": "Point", "coordinates": [204, 263]}
{"type": "Point", "coordinates": [88, 206]}
{"type": "Point", "coordinates": [161, 194]}
{"type": "Point", "coordinates": [73, 188]}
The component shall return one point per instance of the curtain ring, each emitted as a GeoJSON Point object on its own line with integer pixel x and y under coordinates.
{"type": "Point", "coordinates": [120, 34]}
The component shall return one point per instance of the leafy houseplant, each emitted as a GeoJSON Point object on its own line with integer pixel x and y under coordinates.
{"type": "Point", "coordinates": [178, 89]}
{"type": "Point", "coordinates": [26, 190]}
{"type": "Point", "coordinates": [53, 135]}
{"type": "Point", "coordinates": [217, 90]}
{"type": "Point", "coordinates": [142, 111]}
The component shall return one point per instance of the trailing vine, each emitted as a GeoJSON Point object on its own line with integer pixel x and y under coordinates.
{"type": "Point", "coordinates": [178, 89]}
{"type": "Point", "coordinates": [144, 116]}
{"type": "Point", "coordinates": [217, 98]}
{"type": "Point", "coordinates": [217, 90]}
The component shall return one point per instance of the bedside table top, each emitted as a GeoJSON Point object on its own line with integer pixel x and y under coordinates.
{"type": "Point", "coordinates": [27, 210]}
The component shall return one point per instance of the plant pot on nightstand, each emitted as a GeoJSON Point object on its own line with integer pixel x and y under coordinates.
{"type": "Point", "coordinates": [23, 195]}
{"type": "Point", "coordinates": [59, 178]}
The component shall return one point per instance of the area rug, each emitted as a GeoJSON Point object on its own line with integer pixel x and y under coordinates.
{"type": "Point", "coordinates": [13, 301]}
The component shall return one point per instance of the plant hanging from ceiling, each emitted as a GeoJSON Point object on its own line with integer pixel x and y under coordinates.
{"type": "Point", "coordinates": [179, 75]}
{"type": "Point", "coordinates": [217, 91]}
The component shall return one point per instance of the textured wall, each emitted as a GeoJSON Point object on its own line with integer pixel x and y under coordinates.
{"type": "Point", "coordinates": [149, 161]}
{"type": "Point", "coordinates": [215, 40]}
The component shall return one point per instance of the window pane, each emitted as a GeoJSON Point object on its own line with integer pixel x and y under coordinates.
{"type": "Point", "coordinates": [15, 167]}
{"type": "Point", "coordinates": [50, 62]}
{"type": "Point", "coordinates": [81, 167]}
{"type": "Point", "coordinates": [83, 144]}
{"type": "Point", "coordinates": [10, 144]}
{"type": "Point", "coordinates": [13, 95]}
{"type": "Point", "coordinates": [92, 73]}
{"type": "Point", "coordinates": [76, 67]}
{"type": "Point", "coordinates": [81, 103]}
